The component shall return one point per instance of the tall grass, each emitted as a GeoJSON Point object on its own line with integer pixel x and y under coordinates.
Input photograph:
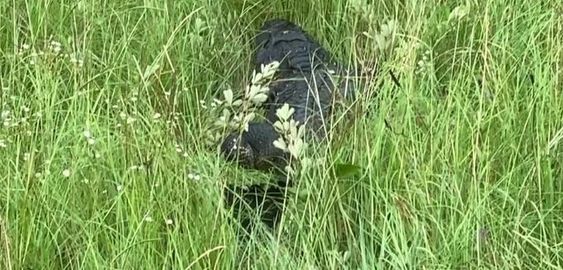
{"type": "Point", "coordinates": [103, 162]}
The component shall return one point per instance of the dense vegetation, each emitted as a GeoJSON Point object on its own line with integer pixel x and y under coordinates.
{"type": "Point", "coordinates": [104, 108]}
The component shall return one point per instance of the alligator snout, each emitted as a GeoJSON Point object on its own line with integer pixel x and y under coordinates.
{"type": "Point", "coordinates": [235, 147]}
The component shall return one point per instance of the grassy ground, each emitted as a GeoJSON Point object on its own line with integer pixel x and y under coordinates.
{"type": "Point", "coordinates": [103, 163]}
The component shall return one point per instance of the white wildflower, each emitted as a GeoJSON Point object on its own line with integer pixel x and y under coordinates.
{"type": "Point", "coordinates": [459, 12]}
{"type": "Point", "coordinates": [131, 120]}
{"type": "Point", "coordinates": [55, 47]}
{"type": "Point", "coordinates": [89, 137]}
{"type": "Point", "coordinates": [148, 218]}
{"type": "Point", "coordinates": [194, 176]}
{"type": "Point", "coordinates": [5, 114]}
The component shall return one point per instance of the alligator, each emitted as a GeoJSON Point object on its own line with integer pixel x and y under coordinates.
{"type": "Point", "coordinates": [304, 81]}
{"type": "Point", "coordinates": [310, 95]}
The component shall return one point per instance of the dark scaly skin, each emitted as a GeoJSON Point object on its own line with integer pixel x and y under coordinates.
{"type": "Point", "coordinates": [312, 105]}
{"type": "Point", "coordinates": [265, 201]}
{"type": "Point", "coordinates": [298, 52]}
{"type": "Point", "coordinates": [254, 148]}
{"type": "Point", "coordinates": [306, 89]}
{"type": "Point", "coordinates": [310, 96]}
{"type": "Point", "coordinates": [303, 82]}
{"type": "Point", "coordinates": [283, 41]}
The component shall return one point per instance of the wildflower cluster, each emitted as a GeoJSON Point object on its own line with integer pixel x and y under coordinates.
{"type": "Point", "coordinates": [15, 120]}
{"type": "Point", "coordinates": [238, 112]}
{"type": "Point", "coordinates": [291, 135]}
{"type": "Point", "coordinates": [147, 218]}
{"type": "Point", "coordinates": [50, 52]}
{"type": "Point", "coordinates": [458, 15]}
{"type": "Point", "coordinates": [385, 36]}
{"type": "Point", "coordinates": [425, 64]}
{"type": "Point", "coordinates": [363, 9]}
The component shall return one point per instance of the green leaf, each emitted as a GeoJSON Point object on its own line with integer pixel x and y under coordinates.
{"type": "Point", "coordinates": [346, 170]}
{"type": "Point", "coordinates": [295, 149]}
{"type": "Point", "coordinates": [278, 126]}
{"type": "Point", "coordinates": [259, 99]}
{"type": "Point", "coordinates": [257, 78]}
{"type": "Point", "coordinates": [150, 70]}
{"type": "Point", "coordinates": [253, 91]}
{"type": "Point", "coordinates": [285, 112]}
{"type": "Point", "coordinates": [228, 96]}
{"type": "Point", "coordinates": [237, 103]}
{"type": "Point", "coordinates": [249, 117]}
{"type": "Point", "coordinates": [280, 144]}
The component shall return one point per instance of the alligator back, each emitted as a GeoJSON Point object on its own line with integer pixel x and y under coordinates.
{"type": "Point", "coordinates": [310, 95]}
{"type": "Point", "coordinates": [298, 52]}
{"type": "Point", "coordinates": [283, 41]}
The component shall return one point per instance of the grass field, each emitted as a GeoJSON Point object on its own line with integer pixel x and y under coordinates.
{"type": "Point", "coordinates": [103, 162]}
